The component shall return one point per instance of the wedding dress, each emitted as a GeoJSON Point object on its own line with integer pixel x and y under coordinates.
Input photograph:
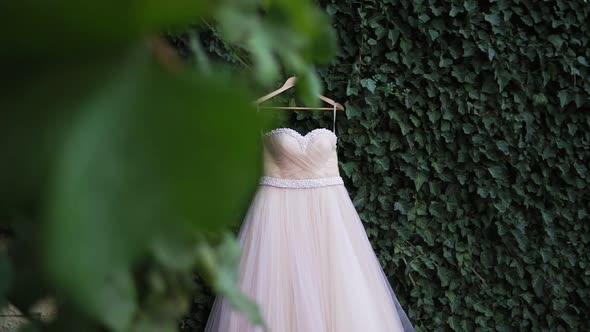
{"type": "Point", "coordinates": [306, 259]}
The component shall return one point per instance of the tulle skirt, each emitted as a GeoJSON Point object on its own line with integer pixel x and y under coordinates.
{"type": "Point", "coordinates": [306, 260]}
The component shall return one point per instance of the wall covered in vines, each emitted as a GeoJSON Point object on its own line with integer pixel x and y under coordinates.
{"type": "Point", "coordinates": [465, 148]}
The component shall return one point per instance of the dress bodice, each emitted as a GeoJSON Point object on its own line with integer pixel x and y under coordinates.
{"type": "Point", "coordinates": [292, 158]}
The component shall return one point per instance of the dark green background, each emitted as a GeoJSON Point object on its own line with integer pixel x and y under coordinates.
{"type": "Point", "coordinates": [465, 148]}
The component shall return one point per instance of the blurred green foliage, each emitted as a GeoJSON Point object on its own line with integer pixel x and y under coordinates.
{"type": "Point", "coordinates": [124, 169]}
{"type": "Point", "coordinates": [466, 150]}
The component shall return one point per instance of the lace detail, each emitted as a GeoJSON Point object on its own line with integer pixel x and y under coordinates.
{"type": "Point", "coordinates": [300, 183]}
{"type": "Point", "coordinates": [302, 139]}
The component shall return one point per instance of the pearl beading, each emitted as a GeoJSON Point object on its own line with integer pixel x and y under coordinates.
{"type": "Point", "coordinates": [300, 183]}
{"type": "Point", "coordinates": [302, 139]}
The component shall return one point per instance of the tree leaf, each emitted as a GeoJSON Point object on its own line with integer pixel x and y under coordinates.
{"type": "Point", "coordinates": [128, 171]}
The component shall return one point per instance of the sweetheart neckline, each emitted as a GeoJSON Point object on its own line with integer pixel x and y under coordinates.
{"type": "Point", "coordinates": [293, 131]}
{"type": "Point", "coordinates": [303, 140]}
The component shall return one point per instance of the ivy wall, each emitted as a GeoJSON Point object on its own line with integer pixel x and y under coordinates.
{"type": "Point", "coordinates": [465, 148]}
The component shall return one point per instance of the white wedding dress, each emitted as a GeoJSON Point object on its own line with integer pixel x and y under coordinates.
{"type": "Point", "coordinates": [306, 259]}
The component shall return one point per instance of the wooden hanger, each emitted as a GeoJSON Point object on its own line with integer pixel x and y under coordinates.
{"type": "Point", "coordinates": [289, 83]}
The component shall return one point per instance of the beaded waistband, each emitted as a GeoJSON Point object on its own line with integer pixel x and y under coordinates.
{"type": "Point", "coordinates": [300, 183]}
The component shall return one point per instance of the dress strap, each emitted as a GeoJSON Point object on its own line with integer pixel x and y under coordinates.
{"type": "Point", "coordinates": [334, 124]}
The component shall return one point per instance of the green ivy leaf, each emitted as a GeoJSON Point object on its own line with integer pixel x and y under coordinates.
{"type": "Point", "coordinates": [468, 128]}
{"type": "Point", "coordinates": [564, 97]}
{"type": "Point", "coordinates": [556, 40]}
{"type": "Point", "coordinates": [423, 18]}
{"type": "Point", "coordinates": [494, 19]}
{"type": "Point", "coordinates": [582, 60]}
{"type": "Point", "coordinates": [368, 83]}
{"type": "Point", "coordinates": [420, 180]}
{"type": "Point", "coordinates": [348, 168]}
{"type": "Point", "coordinates": [498, 171]}
{"type": "Point", "coordinates": [433, 34]}
{"type": "Point", "coordinates": [393, 36]}
{"type": "Point", "coordinates": [503, 146]}
{"type": "Point", "coordinates": [539, 99]}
